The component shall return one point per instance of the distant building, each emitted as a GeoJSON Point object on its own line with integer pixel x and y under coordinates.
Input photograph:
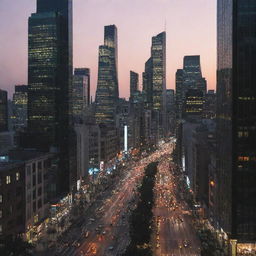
{"type": "Point", "coordinates": [80, 92]}
{"type": "Point", "coordinates": [193, 73]}
{"type": "Point", "coordinates": [170, 111]}
{"type": "Point", "coordinates": [88, 148]}
{"type": "Point", "coordinates": [189, 78]}
{"type": "Point", "coordinates": [158, 55]}
{"type": "Point", "coordinates": [147, 84]}
{"type": "Point", "coordinates": [20, 107]}
{"type": "Point", "coordinates": [107, 92]}
{"type": "Point", "coordinates": [134, 85]}
{"type": "Point", "coordinates": [3, 111]}
{"type": "Point", "coordinates": [109, 142]}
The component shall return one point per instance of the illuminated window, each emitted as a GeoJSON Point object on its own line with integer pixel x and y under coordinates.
{"type": "Point", "coordinates": [8, 179]}
{"type": "Point", "coordinates": [1, 229]}
{"type": "Point", "coordinates": [1, 198]}
{"type": "Point", "coordinates": [244, 158]}
{"type": "Point", "coordinates": [1, 214]}
{"type": "Point", "coordinates": [17, 176]}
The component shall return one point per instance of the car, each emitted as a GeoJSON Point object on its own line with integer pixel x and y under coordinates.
{"type": "Point", "coordinates": [111, 248]}
{"type": "Point", "coordinates": [87, 233]}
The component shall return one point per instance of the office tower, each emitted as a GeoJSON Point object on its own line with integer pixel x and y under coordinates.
{"type": "Point", "coordinates": [193, 73]}
{"type": "Point", "coordinates": [107, 93]}
{"type": "Point", "coordinates": [180, 92]}
{"type": "Point", "coordinates": [158, 55]}
{"type": "Point", "coordinates": [50, 80]}
{"type": "Point", "coordinates": [20, 106]}
{"type": "Point", "coordinates": [147, 84]}
{"type": "Point", "coordinates": [236, 122]}
{"type": "Point", "coordinates": [80, 92]}
{"type": "Point", "coordinates": [3, 111]}
{"type": "Point", "coordinates": [188, 78]}
{"type": "Point", "coordinates": [134, 84]}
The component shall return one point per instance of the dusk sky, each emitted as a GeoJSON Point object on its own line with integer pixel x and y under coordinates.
{"type": "Point", "coordinates": [190, 28]}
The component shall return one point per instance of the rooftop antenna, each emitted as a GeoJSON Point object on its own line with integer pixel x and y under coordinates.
{"type": "Point", "coordinates": [165, 25]}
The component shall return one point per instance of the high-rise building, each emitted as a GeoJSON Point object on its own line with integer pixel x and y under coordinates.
{"type": "Point", "coordinates": [107, 93]}
{"type": "Point", "coordinates": [236, 122]}
{"type": "Point", "coordinates": [50, 81]}
{"type": "Point", "coordinates": [20, 104]}
{"type": "Point", "coordinates": [134, 84]}
{"type": "Point", "coordinates": [180, 92]}
{"type": "Point", "coordinates": [188, 78]}
{"type": "Point", "coordinates": [80, 92]}
{"type": "Point", "coordinates": [158, 55]}
{"type": "Point", "coordinates": [147, 84]}
{"type": "Point", "coordinates": [193, 74]}
{"type": "Point", "coordinates": [3, 111]}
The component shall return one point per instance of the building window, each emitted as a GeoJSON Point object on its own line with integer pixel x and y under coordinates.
{"type": "Point", "coordinates": [8, 179]}
{"type": "Point", "coordinates": [17, 176]}
{"type": "Point", "coordinates": [1, 198]}
{"type": "Point", "coordinates": [1, 229]}
{"type": "Point", "coordinates": [1, 214]}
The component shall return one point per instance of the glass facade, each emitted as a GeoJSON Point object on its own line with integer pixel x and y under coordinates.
{"type": "Point", "coordinates": [20, 103]}
{"type": "Point", "coordinates": [134, 84]}
{"type": "Point", "coordinates": [158, 55]}
{"type": "Point", "coordinates": [80, 92]}
{"type": "Point", "coordinates": [236, 118]}
{"type": "Point", "coordinates": [50, 80]}
{"type": "Point", "coordinates": [107, 87]}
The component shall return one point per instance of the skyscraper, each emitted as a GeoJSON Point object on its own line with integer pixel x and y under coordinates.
{"type": "Point", "coordinates": [80, 92]}
{"type": "Point", "coordinates": [107, 93]}
{"type": "Point", "coordinates": [134, 84]}
{"type": "Point", "coordinates": [3, 111]}
{"type": "Point", "coordinates": [189, 78]}
{"type": "Point", "coordinates": [20, 106]}
{"type": "Point", "coordinates": [236, 121]}
{"type": "Point", "coordinates": [147, 84]}
{"type": "Point", "coordinates": [158, 55]}
{"type": "Point", "coordinates": [50, 79]}
{"type": "Point", "coordinates": [193, 73]}
{"type": "Point", "coordinates": [180, 92]}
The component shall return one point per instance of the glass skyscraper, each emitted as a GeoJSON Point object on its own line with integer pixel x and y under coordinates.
{"type": "Point", "coordinates": [236, 120]}
{"type": "Point", "coordinates": [50, 79]}
{"type": "Point", "coordinates": [80, 92]}
{"type": "Point", "coordinates": [189, 78]}
{"type": "Point", "coordinates": [158, 55]}
{"type": "Point", "coordinates": [134, 85]}
{"type": "Point", "coordinates": [107, 93]}
{"type": "Point", "coordinates": [20, 106]}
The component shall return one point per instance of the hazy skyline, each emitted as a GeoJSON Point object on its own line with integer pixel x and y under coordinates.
{"type": "Point", "coordinates": [190, 28]}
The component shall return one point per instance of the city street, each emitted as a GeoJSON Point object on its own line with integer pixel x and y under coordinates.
{"type": "Point", "coordinates": [174, 234]}
{"type": "Point", "coordinates": [105, 230]}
